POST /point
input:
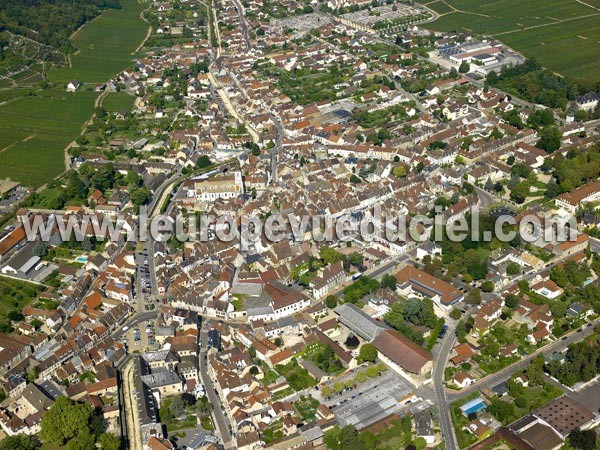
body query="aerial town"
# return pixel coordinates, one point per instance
(237, 108)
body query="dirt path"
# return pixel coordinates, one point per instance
(31, 136)
(148, 33)
(546, 24)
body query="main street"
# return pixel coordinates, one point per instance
(219, 417)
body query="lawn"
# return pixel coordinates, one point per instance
(118, 101)
(14, 295)
(562, 34)
(37, 129)
(105, 46)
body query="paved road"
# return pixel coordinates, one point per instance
(485, 198)
(219, 417)
(439, 366)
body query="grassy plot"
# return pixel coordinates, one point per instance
(562, 34)
(118, 101)
(105, 45)
(39, 128)
(14, 295)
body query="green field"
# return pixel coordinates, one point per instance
(564, 35)
(105, 46)
(35, 130)
(118, 101)
(14, 295)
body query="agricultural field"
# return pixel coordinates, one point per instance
(36, 125)
(105, 46)
(548, 30)
(35, 131)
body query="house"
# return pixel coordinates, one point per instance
(463, 379)
(548, 289)
(73, 85)
(577, 310)
(587, 102)
(479, 429)
(424, 426)
(327, 280)
(538, 335)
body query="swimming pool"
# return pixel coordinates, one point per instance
(81, 259)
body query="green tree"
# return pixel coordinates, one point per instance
(66, 420)
(109, 441)
(331, 301)
(487, 286)
(367, 352)
(19, 442)
(550, 139)
(583, 439)
(464, 67)
(388, 281)
(513, 268)
(177, 408)
(474, 297)
(203, 162)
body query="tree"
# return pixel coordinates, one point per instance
(400, 171)
(19, 442)
(140, 196)
(331, 301)
(487, 286)
(109, 441)
(84, 441)
(253, 370)
(513, 268)
(550, 139)
(520, 192)
(352, 341)
(188, 399)
(455, 314)
(511, 301)
(389, 282)
(177, 408)
(367, 352)
(203, 162)
(583, 439)
(66, 420)
(40, 249)
(354, 179)
(278, 341)
(464, 67)
(474, 297)
(329, 255)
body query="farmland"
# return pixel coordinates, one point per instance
(105, 45)
(36, 125)
(36, 129)
(548, 30)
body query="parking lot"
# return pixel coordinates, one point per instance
(373, 400)
(140, 337)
